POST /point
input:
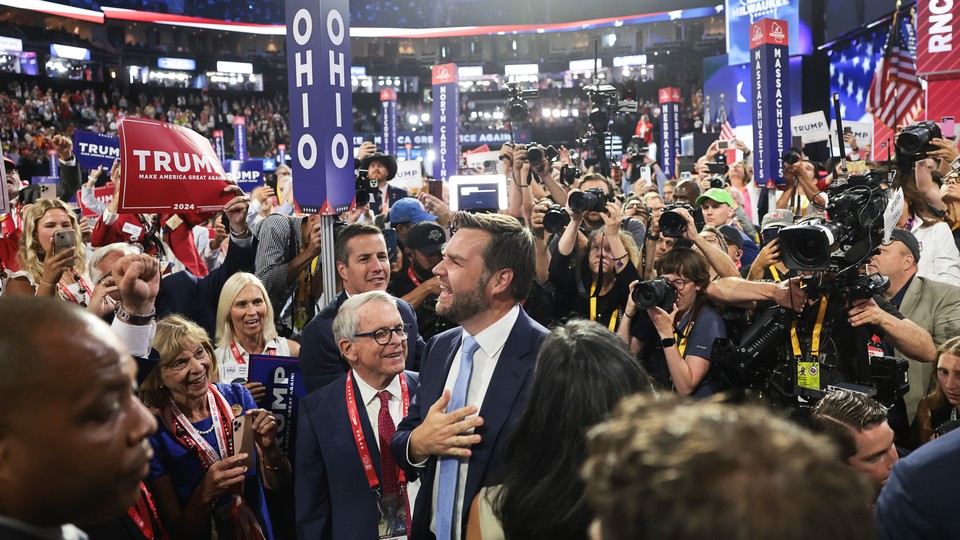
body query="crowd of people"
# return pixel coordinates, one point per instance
(560, 367)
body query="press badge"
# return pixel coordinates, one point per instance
(234, 373)
(392, 522)
(808, 375)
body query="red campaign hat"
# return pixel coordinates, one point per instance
(8, 161)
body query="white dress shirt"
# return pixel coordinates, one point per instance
(491, 341)
(368, 396)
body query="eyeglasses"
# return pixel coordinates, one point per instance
(951, 178)
(680, 283)
(383, 335)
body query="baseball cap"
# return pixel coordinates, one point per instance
(8, 163)
(777, 218)
(717, 194)
(427, 237)
(732, 234)
(409, 209)
(908, 240)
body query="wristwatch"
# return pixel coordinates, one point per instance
(135, 320)
(668, 342)
(955, 164)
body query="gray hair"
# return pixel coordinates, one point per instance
(347, 322)
(101, 253)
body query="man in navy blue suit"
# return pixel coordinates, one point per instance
(917, 502)
(484, 366)
(363, 264)
(348, 484)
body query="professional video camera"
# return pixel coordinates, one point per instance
(555, 219)
(517, 107)
(672, 224)
(764, 360)
(366, 188)
(657, 292)
(913, 143)
(591, 200)
(854, 230)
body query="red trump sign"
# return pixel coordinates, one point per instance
(168, 169)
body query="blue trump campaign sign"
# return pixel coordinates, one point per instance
(321, 104)
(95, 149)
(247, 174)
(285, 387)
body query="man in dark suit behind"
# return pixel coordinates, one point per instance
(362, 263)
(335, 499)
(484, 366)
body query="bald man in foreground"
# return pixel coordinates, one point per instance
(73, 436)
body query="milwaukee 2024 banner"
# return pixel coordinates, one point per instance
(168, 169)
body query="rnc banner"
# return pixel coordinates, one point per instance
(388, 100)
(770, 71)
(94, 149)
(321, 104)
(446, 126)
(285, 387)
(670, 102)
(240, 138)
(168, 168)
(218, 145)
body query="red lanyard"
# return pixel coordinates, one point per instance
(144, 515)
(239, 357)
(413, 277)
(221, 414)
(358, 431)
(65, 292)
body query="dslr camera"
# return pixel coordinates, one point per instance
(536, 153)
(591, 200)
(636, 150)
(791, 156)
(555, 219)
(672, 224)
(657, 292)
(718, 182)
(913, 143)
(569, 174)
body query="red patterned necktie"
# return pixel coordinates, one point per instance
(389, 483)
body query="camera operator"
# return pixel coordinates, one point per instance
(716, 254)
(802, 172)
(769, 263)
(382, 168)
(521, 172)
(595, 284)
(932, 305)
(676, 345)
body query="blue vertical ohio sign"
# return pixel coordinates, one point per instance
(446, 127)
(669, 129)
(388, 100)
(321, 105)
(770, 72)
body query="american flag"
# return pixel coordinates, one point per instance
(896, 97)
(852, 65)
(726, 132)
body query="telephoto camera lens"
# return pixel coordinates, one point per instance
(791, 156)
(555, 219)
(718, 182)
(672, 224)
(535, 153)
(657, 292)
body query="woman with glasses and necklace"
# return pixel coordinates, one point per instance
(245, 326)
(675, 346)
(204, 485)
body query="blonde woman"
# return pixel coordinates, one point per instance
(205, 487)
(244, 327)
(45, 273)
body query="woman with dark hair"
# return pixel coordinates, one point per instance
(582, 372)
(676, 345)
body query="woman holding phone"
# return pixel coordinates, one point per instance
(206, 481)
(52, 258)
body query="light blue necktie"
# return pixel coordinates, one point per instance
(449, 471)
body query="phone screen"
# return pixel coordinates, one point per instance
(947, 127)
(390, 238)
